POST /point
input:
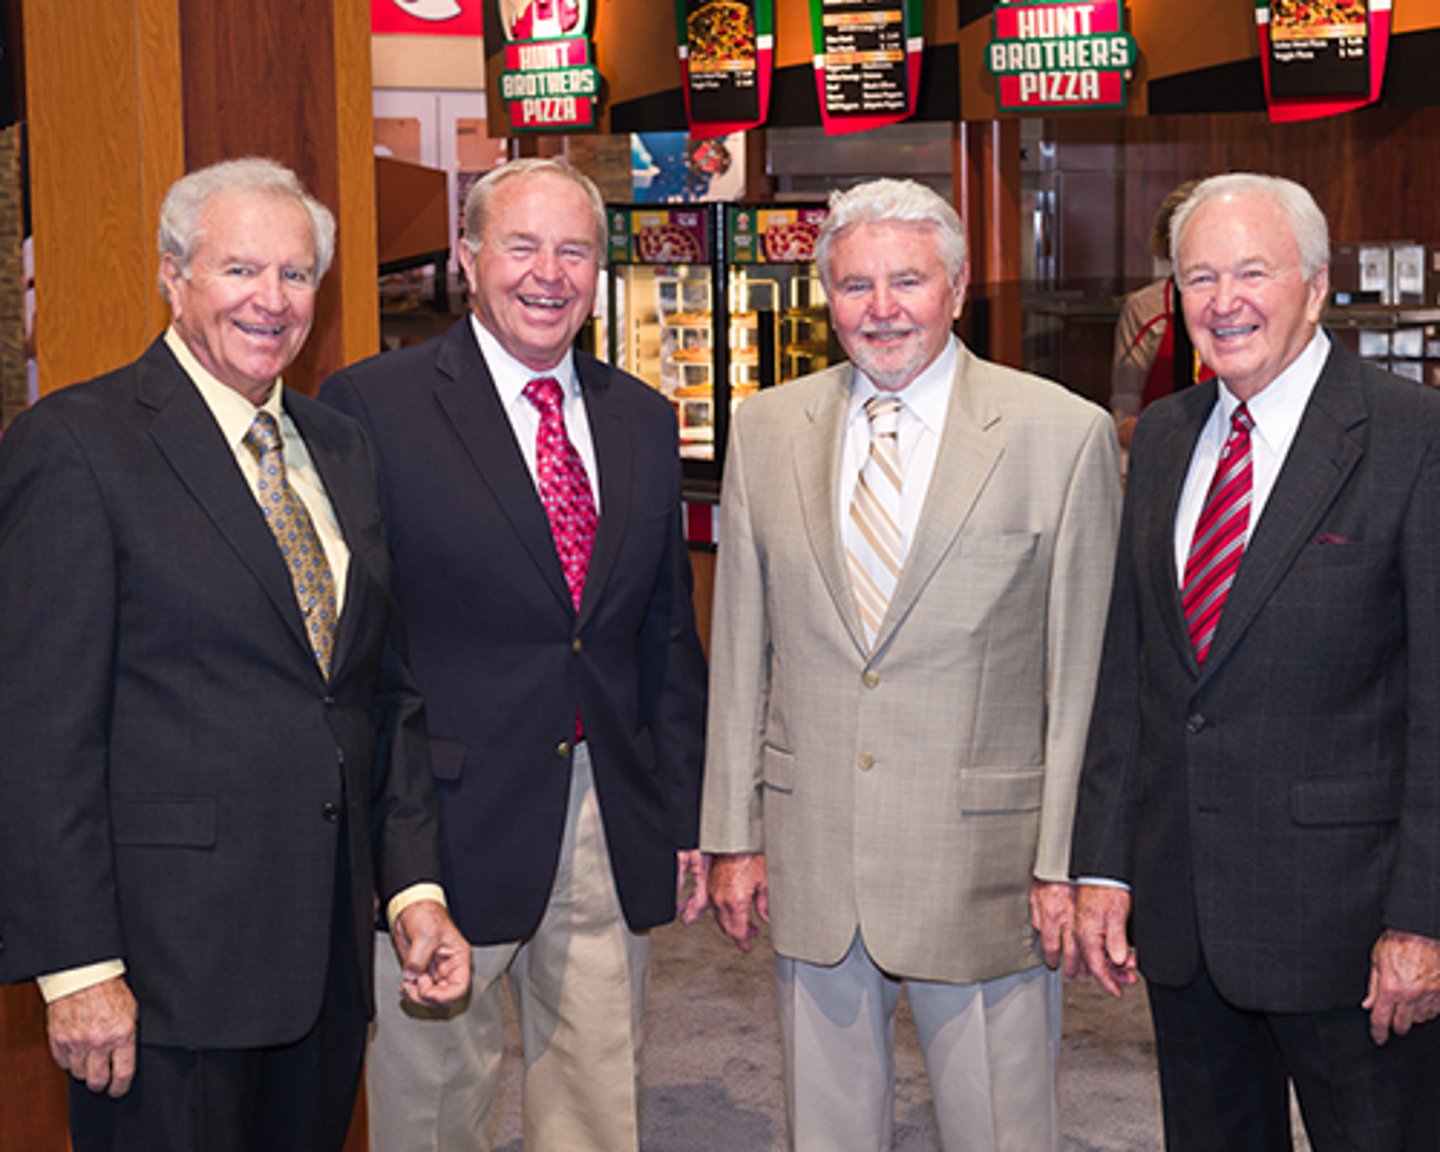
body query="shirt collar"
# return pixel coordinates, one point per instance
(511, 376)
(232, 411)
(1277, 408)
(926, 397)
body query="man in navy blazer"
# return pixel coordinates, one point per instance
(567, 741)
(1265, 800)
(198, 799)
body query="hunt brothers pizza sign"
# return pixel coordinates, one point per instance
(1048, 56)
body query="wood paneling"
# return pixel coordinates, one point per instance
(32, 1087)
(290, 79)
(104, 144)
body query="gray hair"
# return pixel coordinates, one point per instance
(180, 230)
(892, 201)
(477, 203)
(1307, 222)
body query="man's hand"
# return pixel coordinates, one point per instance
(92, 1035)
(1052, 915)
(1100, 915)
(737, 883)
(434, 957)
(693, 866)
(1404, 983)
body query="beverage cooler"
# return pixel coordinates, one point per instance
(708, 303)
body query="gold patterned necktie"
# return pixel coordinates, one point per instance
(876, 550)
(295, 534)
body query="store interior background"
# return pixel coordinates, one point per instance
(1058, 208)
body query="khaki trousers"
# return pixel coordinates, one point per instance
(991, 1054)
(578, 988)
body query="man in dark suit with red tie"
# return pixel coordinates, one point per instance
(211, 757)
(1261, 789)
(533, 496)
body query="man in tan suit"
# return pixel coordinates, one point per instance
(907, 626)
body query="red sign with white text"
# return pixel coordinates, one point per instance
(427, 17)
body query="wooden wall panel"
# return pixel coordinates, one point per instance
(104, 144)
(291, 80)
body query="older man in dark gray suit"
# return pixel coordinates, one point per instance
(1263, 772)
(211, 757)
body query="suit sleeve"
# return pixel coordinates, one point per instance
(1103, 831)
(58, 609)
(739, 672)
(1413, 897)
(676, 681)
(1079, 587)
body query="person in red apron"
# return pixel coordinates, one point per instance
(1153, 353)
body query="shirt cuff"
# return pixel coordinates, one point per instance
(54, 985)
(413, 895)
(1103, 882)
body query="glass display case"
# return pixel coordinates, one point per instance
(708, 303)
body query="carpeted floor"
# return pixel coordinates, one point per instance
(712, 1062)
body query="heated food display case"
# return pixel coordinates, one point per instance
(708, 303)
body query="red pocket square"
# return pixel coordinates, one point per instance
(1332, 538)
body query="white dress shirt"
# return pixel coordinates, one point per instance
(511, 376)
(922, 421)
(1276, 413)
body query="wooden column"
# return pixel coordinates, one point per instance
(987, 195)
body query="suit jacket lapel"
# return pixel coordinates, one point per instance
(610, 434)
(186, 434)
(817, 476)
(1317, 466)
(467, 394)
(971, 444)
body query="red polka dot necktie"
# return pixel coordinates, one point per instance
(295, 534)
(1219, 541)
(564, 486)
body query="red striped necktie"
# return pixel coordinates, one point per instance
(1219, 541)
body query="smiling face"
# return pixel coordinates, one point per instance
(1248, 306)
(891, 300)
(245, 305)
(532, 279)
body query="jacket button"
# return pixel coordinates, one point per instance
(563, 750)
(866, 761)
(577, 645)
(328, 701)
(871, 679)
(330, 811)
(1196, 724)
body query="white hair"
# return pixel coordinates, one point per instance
(1307, 222)
(893, 201)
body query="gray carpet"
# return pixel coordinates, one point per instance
(712, 1062)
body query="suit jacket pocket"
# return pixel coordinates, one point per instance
(778, 769)
(984, 791)
(163, 821)
(1011, 546)
(1369, 799)
(447, 758)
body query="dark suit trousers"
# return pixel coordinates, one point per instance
(291, 1098)
(1224, 1074)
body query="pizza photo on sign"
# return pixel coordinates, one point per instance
(721, 35)
(668, 244)
(790, 242)
(1307, 19)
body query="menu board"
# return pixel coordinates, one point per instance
(867, 61)
(1321, 57)
(1319, 48)
(726, 49)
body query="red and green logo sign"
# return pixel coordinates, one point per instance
(1049, 56)
(549, 82)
